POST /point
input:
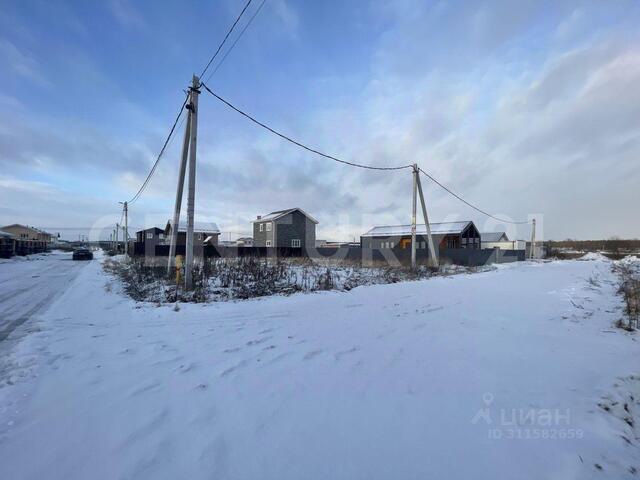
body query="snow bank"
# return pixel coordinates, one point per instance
(630, 260)
(597, 256)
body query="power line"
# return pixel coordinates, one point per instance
(173, 128)
(301, 145)
(224, 57)
(467, 203)
(246, 115)
(225, 38)
(164, 147)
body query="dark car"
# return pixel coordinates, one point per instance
(82, 254)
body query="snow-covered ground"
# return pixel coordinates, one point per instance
(502, 374)
(28, 287)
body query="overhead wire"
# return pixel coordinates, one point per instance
(244, 29)
(224, 40)
(353, 164)
(430, 177)
(173, 128)
(277, 133)
(164, 147)
(295, 142)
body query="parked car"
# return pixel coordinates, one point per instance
(82, 254)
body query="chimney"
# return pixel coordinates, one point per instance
(259, 217)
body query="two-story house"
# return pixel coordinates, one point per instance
(285, 228)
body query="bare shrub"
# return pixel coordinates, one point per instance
(219, 279)
(629, 289)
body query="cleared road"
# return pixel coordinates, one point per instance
(29, 285)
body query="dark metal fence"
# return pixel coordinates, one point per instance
(365, 256)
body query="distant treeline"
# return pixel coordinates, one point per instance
(610, 245)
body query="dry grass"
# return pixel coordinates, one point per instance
(630, 291)
(219, 279)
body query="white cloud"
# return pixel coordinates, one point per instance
(126, 14)
(22, 64)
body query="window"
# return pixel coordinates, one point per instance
(295, 243)
(268, 243)
(269, 227)
(262, 227)
(199, 236)
(161, 236)
(149, 235)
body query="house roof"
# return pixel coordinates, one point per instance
(6, 234)
(494, 236)
(444, 228)
(155, 230)
(281, 213)
(198, 227)
(33, 229)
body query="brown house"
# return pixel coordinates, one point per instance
(449, 235)
(24, 240)
(23, 232)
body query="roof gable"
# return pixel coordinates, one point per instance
(494, 237)
(154, 229)
(198, 227)
(273, 216)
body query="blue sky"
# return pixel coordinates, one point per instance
(525, 108)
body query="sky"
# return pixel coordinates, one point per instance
(526, 109)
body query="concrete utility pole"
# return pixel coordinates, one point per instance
(191, 198)
(433, 256)
(117, 235)
(125, 240)
(126, 230)
(178, 205)
(413, 216)
(533, 238)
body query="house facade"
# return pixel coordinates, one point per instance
(148, 239)
(7, 244)
(25, 239)
(501, 241)
(23, 232)
(202, 233)
(244, 242)
(293, 228)
(449, 235)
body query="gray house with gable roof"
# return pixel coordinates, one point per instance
(292, 228)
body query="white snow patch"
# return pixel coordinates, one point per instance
(597, 256)
(630, 260)
(452, 377)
